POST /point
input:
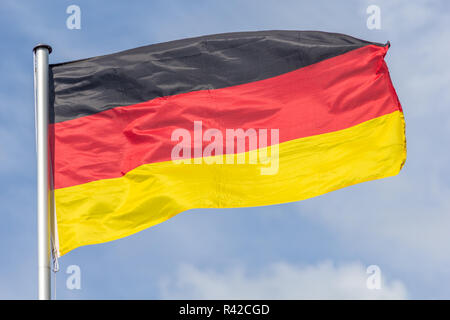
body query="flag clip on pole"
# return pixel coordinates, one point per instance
(41, 90)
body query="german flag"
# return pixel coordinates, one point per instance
(220, 121)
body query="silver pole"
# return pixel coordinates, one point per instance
(41, 91)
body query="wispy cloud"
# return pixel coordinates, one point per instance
(279, 281)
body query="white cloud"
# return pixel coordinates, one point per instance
(280, 281)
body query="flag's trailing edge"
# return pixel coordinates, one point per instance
(329, 96)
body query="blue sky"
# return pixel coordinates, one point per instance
(317, 248)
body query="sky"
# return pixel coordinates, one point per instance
(318, 248)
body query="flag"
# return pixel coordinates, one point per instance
(229, 120)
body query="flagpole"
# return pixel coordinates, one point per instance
(41, 90)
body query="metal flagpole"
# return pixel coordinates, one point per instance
(41, 90)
